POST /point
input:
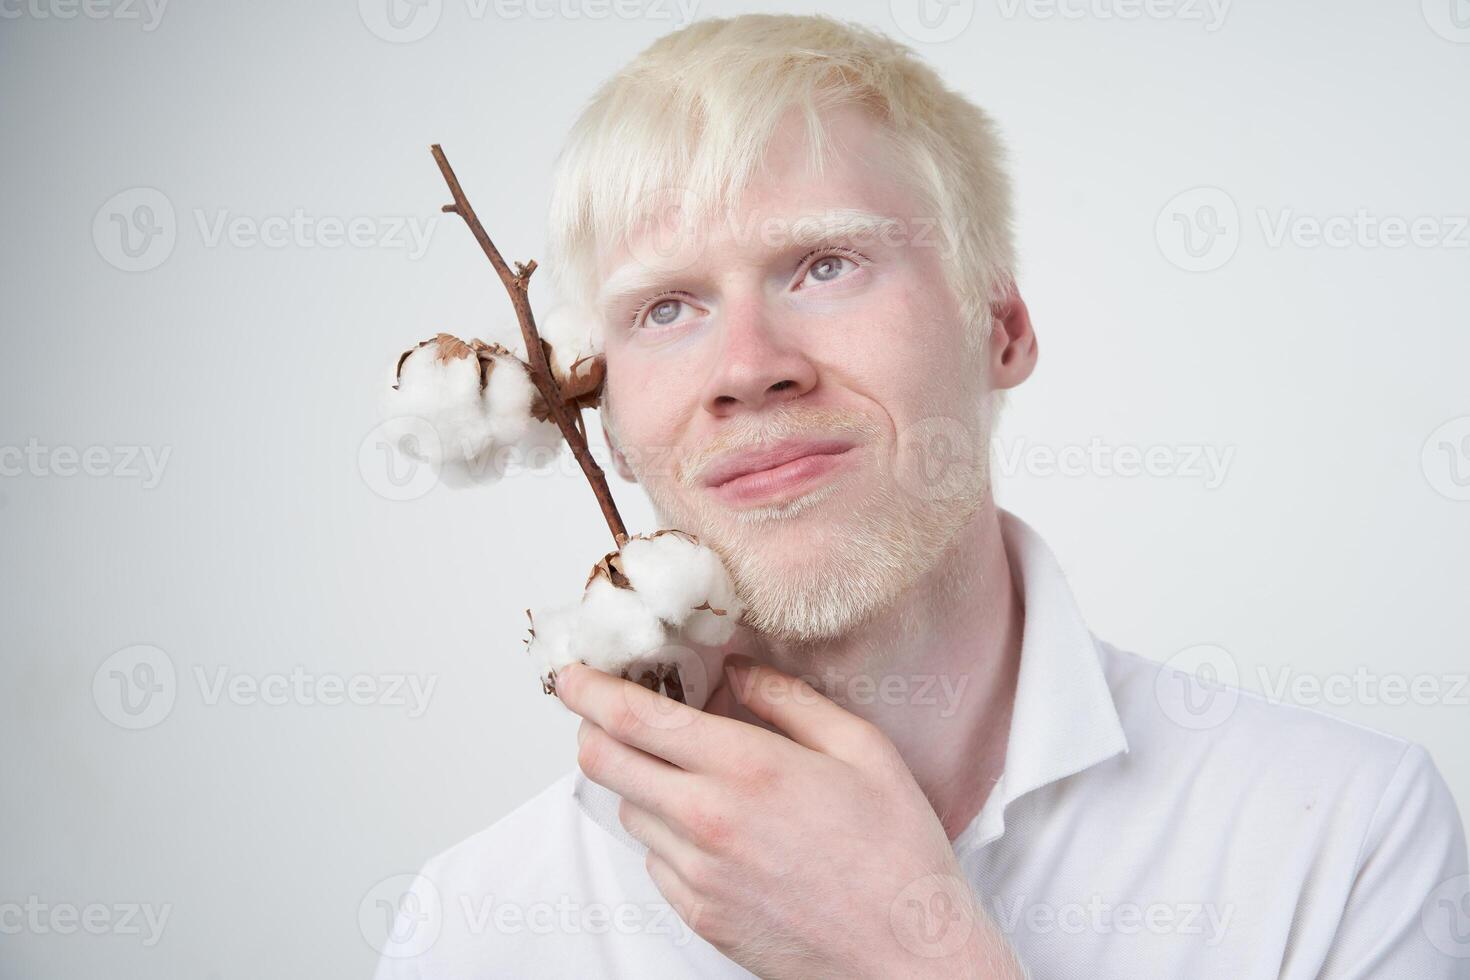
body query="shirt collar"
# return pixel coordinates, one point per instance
(1063, 719)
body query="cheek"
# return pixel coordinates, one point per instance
(906, 354)
(646, 405)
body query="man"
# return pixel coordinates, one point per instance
(796, 243)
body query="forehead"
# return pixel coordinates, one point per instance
(788, 202)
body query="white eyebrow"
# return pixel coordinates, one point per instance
(803, 231)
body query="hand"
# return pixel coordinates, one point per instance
(806, 854)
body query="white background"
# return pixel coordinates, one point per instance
(1334, 543)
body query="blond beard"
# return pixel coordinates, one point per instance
(843, 577)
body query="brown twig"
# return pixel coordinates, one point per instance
(665, 677)
(517, 283)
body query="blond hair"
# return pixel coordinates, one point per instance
(697, 108)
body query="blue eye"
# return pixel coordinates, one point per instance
(663, 311)
(829, 266)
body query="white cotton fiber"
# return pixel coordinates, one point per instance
(573, 334)
(446, 394)
(668, 573)
(615, 627)
(507, 400)
(555, 629)
(471, 425)
(707, 629)
(675, 575)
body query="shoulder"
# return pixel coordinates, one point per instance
(1284, 777)
(518, 844)
(1195, 705)
(452, 912)
(547, 890)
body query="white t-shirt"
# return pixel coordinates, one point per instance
(1147, 825)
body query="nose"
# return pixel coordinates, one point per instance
(757, 365)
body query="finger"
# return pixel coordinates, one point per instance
(634, 775)
(683, 736)
(674, 889)
(800, 710)
(647, 826)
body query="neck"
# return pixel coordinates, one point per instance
(935, 670)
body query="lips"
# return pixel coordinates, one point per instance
(787, 467)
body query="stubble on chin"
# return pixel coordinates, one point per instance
(818, 568)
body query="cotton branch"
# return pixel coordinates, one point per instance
(569, 421)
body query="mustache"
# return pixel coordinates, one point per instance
(758, 431)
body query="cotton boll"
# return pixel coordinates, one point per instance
(675, 575)
(708, 629)
(722, 590)
(540, 444)
(573, 334)
(479, 401)
(507, 398)
(554, 631)
(444, 393)
(615, 627)
(669, 572)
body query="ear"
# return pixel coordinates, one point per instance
(1012, 345)
(620, 462)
